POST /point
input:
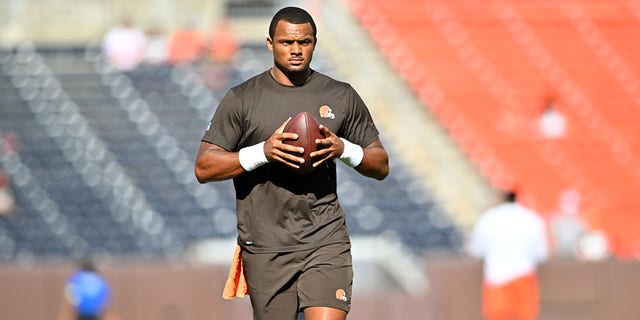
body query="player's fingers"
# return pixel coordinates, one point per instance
(274, 148)
(281, 128)
(326, 143)
(317, 163)
(287, 148)
(332, 144)
(280, 135)
(286, 136)
(321, 156)
(325, 153)
(287, 163)
(325, 131)
(288, 159)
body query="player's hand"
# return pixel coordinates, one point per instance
(330, 147)
(276, 150)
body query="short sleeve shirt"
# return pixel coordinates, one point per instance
(88, 292)
(277, 209)
(512, 239)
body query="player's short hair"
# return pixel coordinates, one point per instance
(293, 15)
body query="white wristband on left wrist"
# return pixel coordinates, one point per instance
(352, 154)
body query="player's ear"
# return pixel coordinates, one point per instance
(269, 44)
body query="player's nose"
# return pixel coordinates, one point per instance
(296, 48)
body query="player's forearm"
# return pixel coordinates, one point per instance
(217, 169)
(375, 163)
(216, 164)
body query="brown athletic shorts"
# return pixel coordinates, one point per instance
(282, 284)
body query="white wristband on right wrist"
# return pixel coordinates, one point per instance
(252, 157)
(352, 154)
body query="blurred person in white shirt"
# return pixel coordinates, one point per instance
(156, 49)
(552, 123)
(512, 241)
(125, 46)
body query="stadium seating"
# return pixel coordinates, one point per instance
(105, 162)
(486, 70)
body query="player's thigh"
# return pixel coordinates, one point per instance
(281, 306)
(328, 278)
(272, 279)
(324, 313)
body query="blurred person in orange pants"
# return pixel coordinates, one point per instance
(512, 241)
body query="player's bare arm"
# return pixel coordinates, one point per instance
(375, 163)
(214, 163)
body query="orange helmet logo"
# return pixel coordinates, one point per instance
(326, 112)
(341, 295)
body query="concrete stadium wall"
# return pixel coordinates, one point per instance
(159, 290)
(64, 22)
(570, 290)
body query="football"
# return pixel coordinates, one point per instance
(308, 130)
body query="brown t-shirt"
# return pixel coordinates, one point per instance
(278, 210)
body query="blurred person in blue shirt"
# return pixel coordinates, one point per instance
(87, 295)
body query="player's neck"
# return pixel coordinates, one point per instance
(290, 78)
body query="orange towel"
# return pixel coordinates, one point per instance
(236, 285)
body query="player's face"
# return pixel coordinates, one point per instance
(292, 46)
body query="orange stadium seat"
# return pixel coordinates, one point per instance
(502, 59)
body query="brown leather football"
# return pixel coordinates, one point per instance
(308, 130)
